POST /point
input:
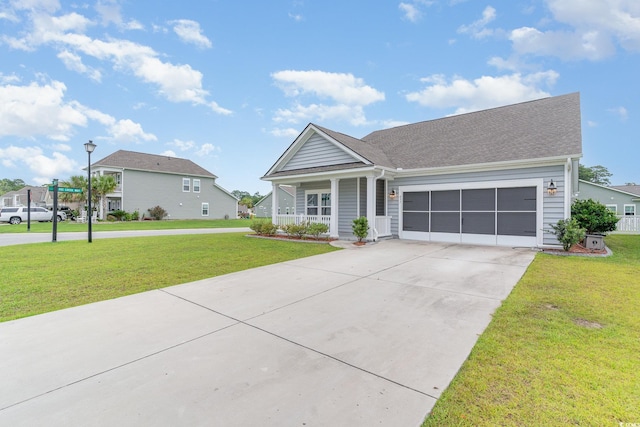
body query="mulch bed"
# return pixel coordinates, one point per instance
(579, 250)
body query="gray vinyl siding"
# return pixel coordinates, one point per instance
(144, 190)
(317, 151)
(300, 193)
(347, 206)
(608, 196)
(285, 200)
(553, 206)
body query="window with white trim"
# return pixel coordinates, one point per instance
(205, 209)
(629, 210)
(318, 202)
(186, 185)
(613, 208)
(196, 185)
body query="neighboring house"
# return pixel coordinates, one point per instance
(623, 200)
(498, 177)
(286, 203)
(19, 197)
(181, 187)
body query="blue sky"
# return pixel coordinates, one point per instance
(230, 84)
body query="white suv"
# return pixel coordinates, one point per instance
(15, 215)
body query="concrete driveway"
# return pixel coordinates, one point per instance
(359, 337)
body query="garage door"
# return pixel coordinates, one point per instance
(491, 216)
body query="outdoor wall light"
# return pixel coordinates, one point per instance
(551, 189)
(392, 195)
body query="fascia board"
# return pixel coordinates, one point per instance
(302, 139)
(609, 188)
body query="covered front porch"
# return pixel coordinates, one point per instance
(337, 201)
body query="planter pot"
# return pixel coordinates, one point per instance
(594, 241)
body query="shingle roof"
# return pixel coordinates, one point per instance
(544, 128)
(370, 152)
(152, 162)
(633, 189)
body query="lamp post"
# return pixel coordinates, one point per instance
(89, 147)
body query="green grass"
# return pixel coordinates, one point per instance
(564, 348)
(72, 226)
(38, 278)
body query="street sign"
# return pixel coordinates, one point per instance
(66, 189)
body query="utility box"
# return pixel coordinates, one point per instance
(594, 241)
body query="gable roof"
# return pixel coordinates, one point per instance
(615, 188)
(548, 128)
(152, 162)
(544, 128)
(633, 189)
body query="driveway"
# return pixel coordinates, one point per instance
(359, 337)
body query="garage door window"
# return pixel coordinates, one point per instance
(445, 211)
(517, 211)
(478, 211)
(415, 207)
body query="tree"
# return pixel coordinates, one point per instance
(596, 174)
(239, 194)
(75, 181)
(247, 201)
(7, 185)
(593, 216)
(102, 185)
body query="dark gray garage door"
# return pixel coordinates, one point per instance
(470, 215)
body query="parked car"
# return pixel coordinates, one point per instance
(17, 214)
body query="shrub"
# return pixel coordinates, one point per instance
(135, 215)
(119, 215)
(295, 230)
(157, 213)
(316, 229)
(360, 227)
(593, 216)
(568, 232)
(266, 228)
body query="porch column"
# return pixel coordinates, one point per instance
(333, 224)
(371, 206)
(274, 202)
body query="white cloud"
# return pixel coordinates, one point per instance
(182, 145)
(285, 132)
(109, 11)
(44, 167)
(74, 63)
(168, 153)
(410, 11)
(346, 93)
(38, 110)
(478, 29)
(566, 45)
(296, 17)
(190, 32)
(592, 29)
(206, 149)
(621, 112)
(481, 93)
(62, 147)
(41, 110)
(177, 83)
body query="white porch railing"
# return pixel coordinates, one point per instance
(628, 224)
(301, 219)
(383, 226)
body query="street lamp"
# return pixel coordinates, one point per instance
(89, 147)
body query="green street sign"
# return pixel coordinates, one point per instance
(66, 189)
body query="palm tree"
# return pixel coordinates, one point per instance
(75, 181)
(102, 185)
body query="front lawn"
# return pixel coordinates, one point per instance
(43, 277)
(563, 349)
(72, 226)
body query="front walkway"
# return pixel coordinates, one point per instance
(359, 337)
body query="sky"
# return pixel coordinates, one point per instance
(231, 84)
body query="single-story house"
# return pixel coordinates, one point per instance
(286, 203)
(623, 200)
(19, 197)
(500, 176)
(181, 187)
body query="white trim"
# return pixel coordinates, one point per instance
(189, 189)
(319, 192)
(614, 206)
(624, 212)
(202, 209)
(194, 185)
(457, 237)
